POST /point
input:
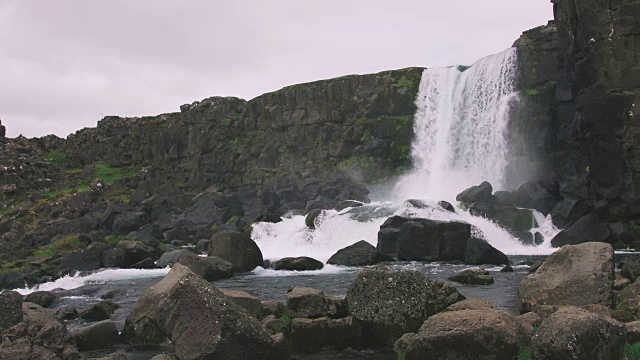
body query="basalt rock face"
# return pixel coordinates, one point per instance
(355, 124)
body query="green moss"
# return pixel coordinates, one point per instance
(234, 144)
(113, 239)
(56, 157)
(234, 219)
(110, 174)
(532, 92)
(401, 356)
(524, 354)
(623, 312)
(631, 351)
(286, 319)
(66, 191)
(404, 82)
(357, 163)
(66, 245)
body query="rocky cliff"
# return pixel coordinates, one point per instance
(360, 126)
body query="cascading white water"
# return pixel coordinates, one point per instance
(460, 127)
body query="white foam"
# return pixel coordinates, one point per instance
(70, 282)
(326, 270)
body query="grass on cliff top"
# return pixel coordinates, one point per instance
(66, 245)
(105, 172)
(631, 352)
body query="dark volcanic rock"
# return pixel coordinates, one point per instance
(169, 258)
(536, 195)
(42, 298)
(211, 268)
(312, 335)
(302, 263)
(99, 335)
(568, 211)
(100, 311)
(312, 303)
(473, 277)
(477, 194)
(10, 309)
(389, 304)
(237, 248)
(423, 239)
(588, 228)
(479, 252)
(359, 254)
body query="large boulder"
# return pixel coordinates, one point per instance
(628, 303)
(245, 300)
(477, 194)
(40, 335)
(359, 254)
(511, 218)
(170, 258)
(302, 263)
(311, 335)
(536, 195)
(465, 334)
(99, 335)
(568, 211)
(473, 277)
(312, 303)
(423, 239)
(10, 309)
(237, 248)
(573, 333)
(588, 228)
(211, 268)
(574, 275)
(42, 298)
(136, 251)
(479, 252)
(99, 311)
(389, 303)
(630, 268)
(170, 309)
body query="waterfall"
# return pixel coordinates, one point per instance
(461, 128)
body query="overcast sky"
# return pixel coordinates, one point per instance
(65, 64)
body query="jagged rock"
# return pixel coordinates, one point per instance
(310, 219)
(136, 252)
(211, 268)
(98, 335)
(100, 311)
(147, 263)
(473, 277)
(633, 332)
(535, 195)
(10, 309)
(170, 308)
(359, 254)
(39, 336)
(311, 335)
(588, 228)
(530, 322)
(302, 263)
(510, 217)
(202, 246)
(270, 307)
(423, 239)
(479, 251)
(568, 211)
(280, 348)
(477, 194)
(628, 303)
(574, 275)
(573, 333)
(169, 258)
(447, 206)
(236, 248)
(42, 298)
(341, 205)
(85, 260)
(245, 300)
(67, 312)
(389, 304)
(630, 268)
(312, 303)
(507, 269)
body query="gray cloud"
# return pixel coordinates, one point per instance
(65, 64)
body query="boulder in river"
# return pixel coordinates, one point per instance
(98, 335)
(301, 263)
(197, 318)
(389, 303)
(588, 228)
(573, 333)
(464, 334)
(359, 254)
(479, 252)
(42, 298)
(423, 239)
(473, 277)
(574, 275)
(237, 248)
(169, 258)
(477, 194)
(100, 311)
(311, 335)
(211, 268)
(312, 303)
